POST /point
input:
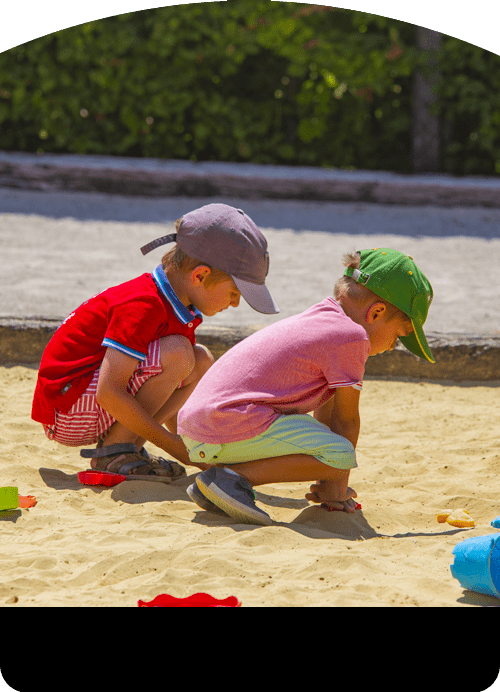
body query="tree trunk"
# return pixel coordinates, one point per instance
(426, 128)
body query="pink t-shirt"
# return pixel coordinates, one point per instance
(291, 366)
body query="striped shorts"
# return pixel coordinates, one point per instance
(86, 422)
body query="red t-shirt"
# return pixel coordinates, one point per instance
(127, 318)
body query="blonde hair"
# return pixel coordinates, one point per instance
(180, 260)
(359, 294)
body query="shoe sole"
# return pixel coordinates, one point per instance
(231, 506)
(202, 501)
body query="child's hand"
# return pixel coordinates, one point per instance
(349, 506)
(333, 496)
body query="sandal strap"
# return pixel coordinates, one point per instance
(125, 469)
(125, 448)
(114, 459)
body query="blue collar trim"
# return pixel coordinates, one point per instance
(182, 313)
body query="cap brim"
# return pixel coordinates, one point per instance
(257, 296)
(417, 343)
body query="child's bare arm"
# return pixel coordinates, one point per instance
(341, 413)
(112, 395)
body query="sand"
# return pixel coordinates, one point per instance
(422, 448)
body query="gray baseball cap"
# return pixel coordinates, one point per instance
(227, 239)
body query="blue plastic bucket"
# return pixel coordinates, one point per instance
(477, 564)
(496, 523)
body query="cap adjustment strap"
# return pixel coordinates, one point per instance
(158, 242)
(358, 276)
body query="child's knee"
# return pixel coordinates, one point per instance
(177, 356)
(341, 456)
(203, 359)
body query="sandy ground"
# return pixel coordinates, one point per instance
(423, 447)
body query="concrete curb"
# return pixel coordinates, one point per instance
(459, 357)
(163, 178)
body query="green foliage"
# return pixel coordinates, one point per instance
(260, 81)
(469, 108)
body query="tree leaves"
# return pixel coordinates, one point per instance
(270, 82)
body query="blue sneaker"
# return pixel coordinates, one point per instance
(199, 498)
(233, 494)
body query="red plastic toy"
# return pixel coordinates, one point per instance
(26, 501)
(197, 600)
(109, 479)
(100, 478)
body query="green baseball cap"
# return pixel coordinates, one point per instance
(395, 277)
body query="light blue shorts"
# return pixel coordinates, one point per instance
(293, 434)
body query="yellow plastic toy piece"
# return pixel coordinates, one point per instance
(459, 518)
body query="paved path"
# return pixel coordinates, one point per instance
(60, 248)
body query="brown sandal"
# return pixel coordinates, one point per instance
(128, 460)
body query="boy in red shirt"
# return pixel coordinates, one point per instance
(120, 367)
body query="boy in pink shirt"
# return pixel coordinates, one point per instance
(248, 416)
